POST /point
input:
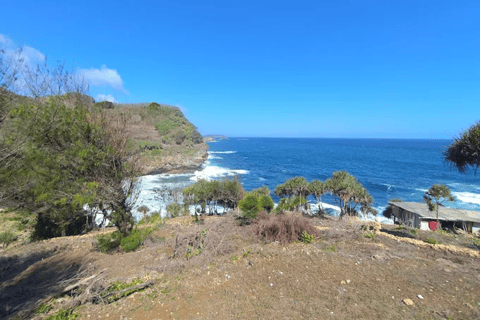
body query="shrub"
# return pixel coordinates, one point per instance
(64, 315)
(135, 239)
(180, 137)
(173, 209)
(249, 207)
(283, 228)
(432, 240)
(266, 203)
(308, 238)
(332, 248)
(370, 235)
(108, 242)
(7, 237)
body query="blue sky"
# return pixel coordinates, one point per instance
(366, 69)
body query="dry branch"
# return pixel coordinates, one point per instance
(138, 286)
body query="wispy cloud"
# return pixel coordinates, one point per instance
(103, 76)
(26, 54)
(106, 97)
(3, 39)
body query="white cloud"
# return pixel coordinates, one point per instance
(103, 76)
(31, 56)
(26, 54)
(3, 39)
(106, 97)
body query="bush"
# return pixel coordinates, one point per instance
(432, 240)
(7, 237)
(180, 137)
(135, 239)
(283, 228)
(308, 238)
(266, 203)
(108, 242)
(370, 235)
(64, 315)
(173, 209)
(249, 207)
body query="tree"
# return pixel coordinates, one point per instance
(266, 203)
(349, 192)
(144, 210)
(249, 206)
(464, 151)
(59, 158)
(64, 160)
(293, 187)
(317, 189)
(388, 212)
(435, 196)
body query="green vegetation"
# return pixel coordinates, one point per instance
(435, 195)
(370, 235)
(349, 193)
(266, 203)
(294, 189)
(432, 240)
(7, 237)
(308, 238)
(249, 206)
(317, 189)
(388, 212)
(131, 242)
(64, 315)
(174, 210)
(464, 150)
(43, 308)
(201, 194)
(331, 248)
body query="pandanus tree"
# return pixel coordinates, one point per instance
(435, 196)
(349, 193)
(464, 151)
(317, 189)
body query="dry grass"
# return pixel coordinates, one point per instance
(343, 275)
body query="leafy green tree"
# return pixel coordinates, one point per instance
(464, 151)
(348, 191)
(317, 189)
(249, 206)
(266, 203)
(436, 195)
(60, 159)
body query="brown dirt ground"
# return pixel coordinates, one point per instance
(343, 275)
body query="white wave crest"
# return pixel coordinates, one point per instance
(211, 156)
(467, 197)
(221, 152)
(212, 172)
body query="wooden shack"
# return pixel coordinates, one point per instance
(417, 215)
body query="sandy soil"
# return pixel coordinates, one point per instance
(343, 275)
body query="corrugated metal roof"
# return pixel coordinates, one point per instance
(446, 214)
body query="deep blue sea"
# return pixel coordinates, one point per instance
(388, 168)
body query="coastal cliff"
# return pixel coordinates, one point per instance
(165, 140)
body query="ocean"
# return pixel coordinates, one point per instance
(387, 168)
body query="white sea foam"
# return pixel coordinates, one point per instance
(212, 172)
(222, 152)
(467, 197)
(211, 156)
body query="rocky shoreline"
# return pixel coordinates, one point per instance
(179, 163)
